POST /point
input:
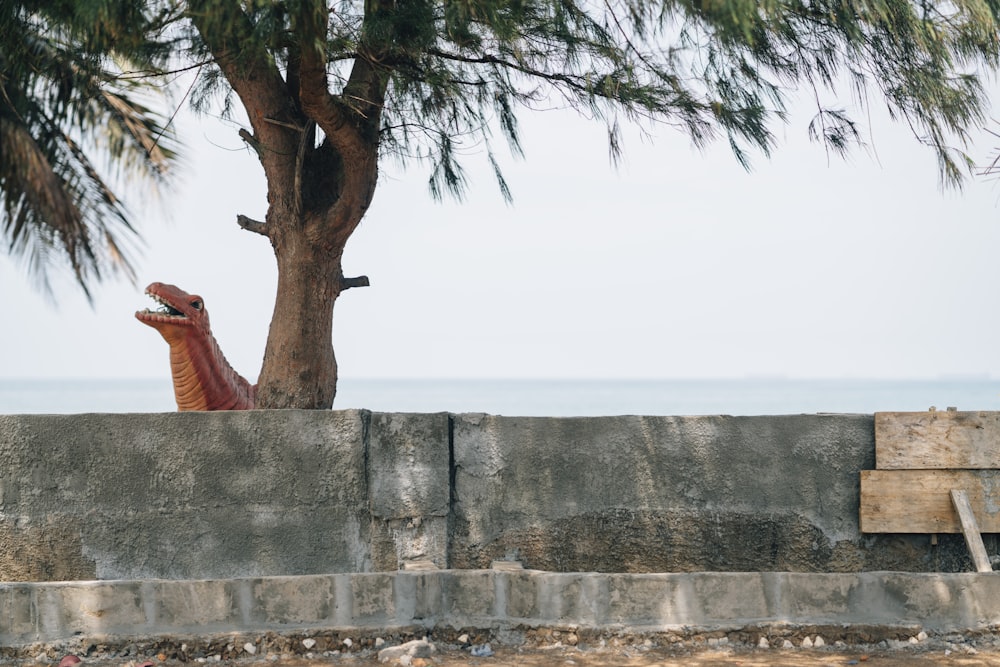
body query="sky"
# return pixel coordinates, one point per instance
(676, 264)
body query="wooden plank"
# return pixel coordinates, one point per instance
(919, 501)
(936, 440)
(973, 538)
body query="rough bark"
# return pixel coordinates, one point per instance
(300, 369)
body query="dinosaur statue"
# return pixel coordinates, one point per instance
(203, 379)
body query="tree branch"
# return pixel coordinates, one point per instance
(348, 283)
(251, 225)
(344, 118)
(250, 140)
(290, 126)
(254, 76)
(572, 82)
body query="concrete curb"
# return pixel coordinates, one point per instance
(496, 598)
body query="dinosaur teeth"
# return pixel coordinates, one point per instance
(164, 309)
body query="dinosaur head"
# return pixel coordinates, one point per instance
(180, 315)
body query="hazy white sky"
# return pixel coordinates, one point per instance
(677, 265)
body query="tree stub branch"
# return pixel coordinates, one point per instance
(250, 139)
(359, 281)
(251, 225)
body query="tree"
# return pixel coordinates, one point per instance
(331, 87)
(69, 119)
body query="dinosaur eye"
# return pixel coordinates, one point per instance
(197, 305)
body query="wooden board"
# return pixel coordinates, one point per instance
(937, 440)
(919, 501)
(973, 538)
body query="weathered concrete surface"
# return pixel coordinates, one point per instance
(49, 612)
(408, 473)
(268, 493)
(182, 495)
(669, 494)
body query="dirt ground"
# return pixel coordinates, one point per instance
(570, 657)
(933, 655)
(883, 647)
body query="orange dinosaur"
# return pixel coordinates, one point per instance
(203, 379)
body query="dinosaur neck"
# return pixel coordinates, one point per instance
(204, 380)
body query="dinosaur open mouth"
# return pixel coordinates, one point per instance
(164, 309)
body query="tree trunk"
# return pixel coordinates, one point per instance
(317, 195)
(299, 368)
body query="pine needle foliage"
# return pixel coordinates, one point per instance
(452, 72)
(75, 84)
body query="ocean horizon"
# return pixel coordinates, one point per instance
(540, 397)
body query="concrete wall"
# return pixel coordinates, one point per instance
(264, 493)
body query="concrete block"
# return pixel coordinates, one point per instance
(183, 495)
(373, 599)
(470, 596)
(629, 493)
(89, 608)
(935, 599)
(419, 597)
(409, 488)
(17, 607)
(292, 601)
(826, 597)
(408, 465)
(724, 597)
(649, 600)
(193, 605)
(524, 599)
(557, 598)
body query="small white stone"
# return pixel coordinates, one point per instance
(250, 648)
(308, 643)
(807, 643)
(348, 642)
(310, 655)
(763, 643)
(202, 660)
(379, 642)
(463, 639)
(914, 640)
(215, 658)
(819, 641)
(787, 644)
(921, 636)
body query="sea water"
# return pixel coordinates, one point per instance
(591, 397)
